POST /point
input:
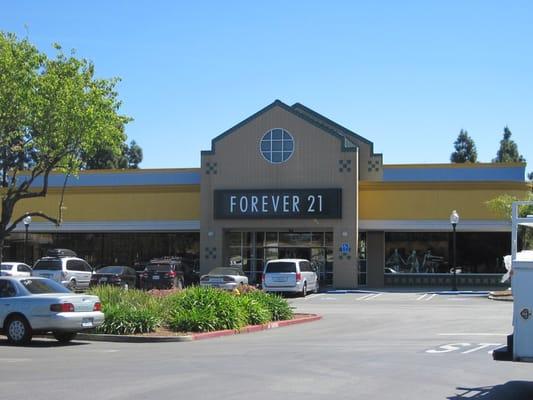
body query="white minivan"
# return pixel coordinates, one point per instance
(290, 275)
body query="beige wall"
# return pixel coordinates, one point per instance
(314, 165)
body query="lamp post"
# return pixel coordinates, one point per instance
(27, 222)
(454, 220)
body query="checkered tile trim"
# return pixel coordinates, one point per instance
(211, 168)
(345, 165)
(210, 252)
(374, 165)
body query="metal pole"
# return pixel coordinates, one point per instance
(26, 243)
(454, 260)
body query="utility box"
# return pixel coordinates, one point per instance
(522, 288)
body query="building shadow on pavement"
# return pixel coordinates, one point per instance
(515, 390)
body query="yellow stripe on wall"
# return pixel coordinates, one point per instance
(432, 201)
(121, 204)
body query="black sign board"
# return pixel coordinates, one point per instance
(278, 203)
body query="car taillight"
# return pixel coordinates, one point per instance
(263, 278)
(114, 278)
(228, 279)
(172, 274)
(298, 276)
(204, 278)
(97, 306)
(144, 275)
(63, 307)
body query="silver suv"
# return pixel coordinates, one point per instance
(290, 275)
(63, 266)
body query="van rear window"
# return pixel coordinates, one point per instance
(281, 267)
(49, 265)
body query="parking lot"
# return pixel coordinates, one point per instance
(379, 345)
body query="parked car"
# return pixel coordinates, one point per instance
(63, 266)
(290, 275)
(164, 273)
(115, 275)
(15, 269)
(35, 305)
(228, 278)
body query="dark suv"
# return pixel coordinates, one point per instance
(168, 273)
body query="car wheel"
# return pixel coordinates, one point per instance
(72, 285)
(18, 330)
(304, 290)
(179, 284)
(64, 337)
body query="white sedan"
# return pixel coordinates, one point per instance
(39, 305)
(15, 269)
(228, 278)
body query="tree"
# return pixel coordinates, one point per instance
(530, 176)
(129, 157)
(465, 149)
(52, 111)
(508, 151)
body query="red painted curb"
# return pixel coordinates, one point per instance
(256, 328)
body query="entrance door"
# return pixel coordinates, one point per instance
(294, 252)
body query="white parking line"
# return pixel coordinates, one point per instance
(370, 296)
(312, 296)
(473, 334)
(422, 297)
(430, 297)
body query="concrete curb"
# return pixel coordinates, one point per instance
(195, 336)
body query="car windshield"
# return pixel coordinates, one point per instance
(158, 267)
(5, 267)
(50, 265)
(40, 286)
(282, 266)
(110, 270)
(225, 271)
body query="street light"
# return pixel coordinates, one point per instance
(27, 222)
(454, 220)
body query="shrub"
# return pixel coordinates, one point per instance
(255, 312)
(277, 306)
(127, 312)
(204, 309)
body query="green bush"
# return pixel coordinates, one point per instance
(127, 312)
(277, 306)
(255, 312)
(199, 309)
(196, 309)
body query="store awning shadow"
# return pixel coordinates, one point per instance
(516, 390)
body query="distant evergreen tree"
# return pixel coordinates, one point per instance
(465, 149)
(135, 155)
(530, 176)
(508, 152)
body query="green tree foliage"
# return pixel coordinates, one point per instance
(129, 157)
(53, 112)
(508, 151)
(465, 149)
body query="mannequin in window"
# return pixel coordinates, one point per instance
(395, 261)
(412, 262)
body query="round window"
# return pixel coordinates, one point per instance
(277, 146)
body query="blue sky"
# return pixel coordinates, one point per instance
(407, 75)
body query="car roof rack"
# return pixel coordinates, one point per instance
(61, 253)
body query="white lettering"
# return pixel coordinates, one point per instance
(264, 204)
(243, 204)
(446, 348)
(286, 204)
(319, 203)
(295, 203)
(311, 200)
(232, 203)
(275, 202)
(254, 204)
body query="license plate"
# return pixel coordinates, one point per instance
(155, 277)
(217, 280)
(87, 322)
(280, 279)
(103, 279)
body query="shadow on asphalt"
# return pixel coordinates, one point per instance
(42, 342)
(515, 390)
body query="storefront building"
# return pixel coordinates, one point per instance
(289, 183)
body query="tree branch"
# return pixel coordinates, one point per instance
(11, 227)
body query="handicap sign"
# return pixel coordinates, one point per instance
(345, 248)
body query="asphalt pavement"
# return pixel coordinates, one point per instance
(378, 345)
